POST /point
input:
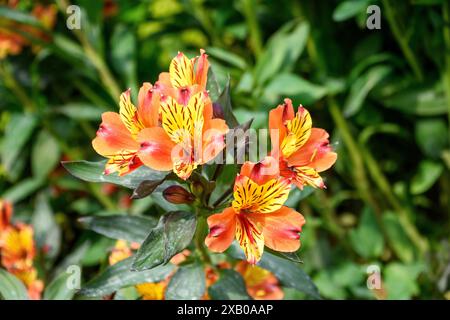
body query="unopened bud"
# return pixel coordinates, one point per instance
(197, 188)
(178, 195)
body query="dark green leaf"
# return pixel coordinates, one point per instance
(22, 189)
(349, 8)
(290, 274)
(93, 172)
(81, 111)
(119, 276)
(17, 133)
(130, 228)
(58, 289)
(45, 155)
(173, 233)
(189, 283)
(230, 286)
(11, 288)
(431, 136)
(224, 101)
(398, 239)
(46, 230)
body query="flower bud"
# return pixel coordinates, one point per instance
(178, 195)
(197, 189)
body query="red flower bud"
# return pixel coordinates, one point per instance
(178, 195)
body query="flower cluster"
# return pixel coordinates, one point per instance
(173, 129)
(17, 251)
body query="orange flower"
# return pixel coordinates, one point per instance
(261, 284)
(17, 247)
(117, 136)
(172, 128)
(5, 214)
(17, 253)
(257, 216)
(303, 151)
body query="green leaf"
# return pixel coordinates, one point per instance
(288, 84)
(58, 288)
(80, 111)
(224, 101)
(428, 172)
(398, 239)
(188, 283)
(282, 51)
(227, 56)
(289, 273)
(173, 233)
(350, 8)
(421, 101)
(45, 154)
(93, 172)
(17, 132)
(130, 228)
(47, 232)
(401, 280)
(296, 195)
(22, 189)
(119, 276)
(362, 86)
(11, 288)
(431, 136)
(367, 238)
(123, 54)
(230, 286)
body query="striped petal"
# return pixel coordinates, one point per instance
(123, 162)
(181, 71)
(251, 197)
(222, 230)
(112, 136)
(307, 176)
(250, 237)
(298, 132)
(281, 228)
(129, 114)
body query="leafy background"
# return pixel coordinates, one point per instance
(384, 96)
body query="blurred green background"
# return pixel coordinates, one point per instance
(383, 94)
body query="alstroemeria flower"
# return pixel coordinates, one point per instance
(117, 136)
(17, 247)
(30, 278)
(188, 136)
(257, 216)
(303, 151)
(185, 78)
(261, 284)
(5, 214)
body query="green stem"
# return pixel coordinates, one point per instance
(249, 11)
(399, 35)
(199, 238)
(446, 77)
(16, 88)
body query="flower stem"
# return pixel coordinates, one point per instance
(399, 35)
(103, 70)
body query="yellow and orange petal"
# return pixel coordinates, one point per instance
(17, 247)
(152, 291)
(252, 197)
(222, 230)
